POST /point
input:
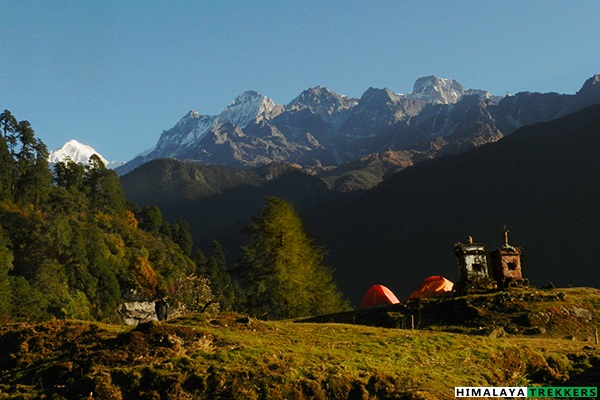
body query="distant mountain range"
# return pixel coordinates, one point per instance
(353, 143)
(541, 182)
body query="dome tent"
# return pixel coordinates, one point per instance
(434, 286)
(378, 295)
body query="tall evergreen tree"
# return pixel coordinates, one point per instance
(103, 187)
(220, 279)
(6, 259)
(150, 219)
(180, 234)
(6, 170)
(69, 175)
(8, 125)
(281, 272)
(31, 177)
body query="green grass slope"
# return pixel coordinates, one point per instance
(229, 356)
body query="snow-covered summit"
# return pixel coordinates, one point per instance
(434, 90)
(322, 101)
(247, 107)
(437, 90)
(78, 152)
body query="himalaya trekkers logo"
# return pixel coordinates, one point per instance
(532, 392)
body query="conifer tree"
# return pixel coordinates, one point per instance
(6, 170)
(69, 175)
(33, 178)
(6, 259)
(180, 234)
(103, 187)
(219, 276)
(150, 219)
(8, 125)
(281, 272)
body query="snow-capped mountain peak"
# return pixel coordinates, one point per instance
(434, 90)
(247, 107)
(191, 115)
(437, 90)
(321, 100)
(78, 152)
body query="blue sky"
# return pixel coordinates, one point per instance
(115, 74)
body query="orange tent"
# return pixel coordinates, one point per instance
(378, 295)
(434, 286)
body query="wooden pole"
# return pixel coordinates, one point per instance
(596, 334)
(412, 321)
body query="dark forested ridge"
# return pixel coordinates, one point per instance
(541, 182)
(214, 199)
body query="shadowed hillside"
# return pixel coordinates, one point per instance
(542, 182)
(215, 199)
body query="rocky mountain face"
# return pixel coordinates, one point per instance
(444, 91)
(321, 130)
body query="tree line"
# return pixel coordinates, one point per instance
(71, 246)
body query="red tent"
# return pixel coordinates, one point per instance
(378, 295)
(434, 286)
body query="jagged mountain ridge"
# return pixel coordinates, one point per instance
(323, 129)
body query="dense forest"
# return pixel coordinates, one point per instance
(71, 246)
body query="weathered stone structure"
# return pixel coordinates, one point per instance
(505, 264)
(472, 260)
(135, 312)
(475, 277)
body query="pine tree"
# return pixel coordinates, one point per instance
(33, 178)
(180, 234)
(220, 279)
(280, 272)
(103, 187)
(6, 170)
(69, 175)
(6, 259)
(8, 125)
